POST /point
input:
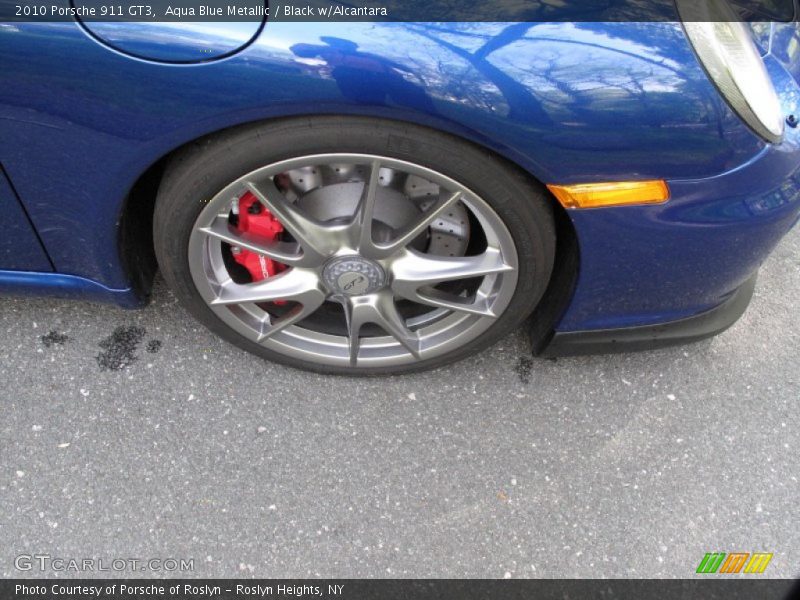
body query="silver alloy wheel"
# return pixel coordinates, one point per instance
(330, 206)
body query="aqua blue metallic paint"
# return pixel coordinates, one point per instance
(567, 102)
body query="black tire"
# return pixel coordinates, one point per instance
(202, 169)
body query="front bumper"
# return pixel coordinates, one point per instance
(649, 337)
(652, 275)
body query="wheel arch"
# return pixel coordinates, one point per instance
(137, 254)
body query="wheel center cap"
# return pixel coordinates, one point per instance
(353, 275)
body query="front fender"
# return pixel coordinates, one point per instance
(567, 102)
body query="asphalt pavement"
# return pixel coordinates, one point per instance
(138, 434)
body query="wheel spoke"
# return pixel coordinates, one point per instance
(394, 324)
(296, 285)
(362, 220)
(310, 302)
(355, 320)
(409, 234)
(282, 252)
(477, 305)
(415, 270)
(381, 310)
(313, 237)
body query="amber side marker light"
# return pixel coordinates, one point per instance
(621, 193)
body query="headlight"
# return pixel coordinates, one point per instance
(728, 52)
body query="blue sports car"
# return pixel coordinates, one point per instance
(363, 197)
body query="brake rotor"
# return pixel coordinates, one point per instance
(332, 192)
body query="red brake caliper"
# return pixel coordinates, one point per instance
(256, 221)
